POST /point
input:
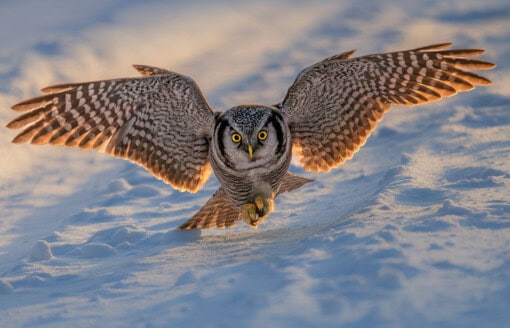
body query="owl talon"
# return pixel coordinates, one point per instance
(259, 203)
(249, 215)
(264, 205)
(255, 213)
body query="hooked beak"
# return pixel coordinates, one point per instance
(250, 151)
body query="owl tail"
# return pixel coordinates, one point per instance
(221, 212)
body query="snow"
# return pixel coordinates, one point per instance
(413, 231)
(5, 288)
(41, 252)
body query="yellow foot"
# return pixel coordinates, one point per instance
(255, 213)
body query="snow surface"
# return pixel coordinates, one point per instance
(414, 231)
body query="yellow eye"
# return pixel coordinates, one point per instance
(236, 137)
(262, 135)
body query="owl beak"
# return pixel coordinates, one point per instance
(250, 151)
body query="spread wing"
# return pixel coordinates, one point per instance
(160, 121)
(334, 105)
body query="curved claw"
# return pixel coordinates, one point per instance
(255, 213)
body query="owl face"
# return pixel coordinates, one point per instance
(249, 136)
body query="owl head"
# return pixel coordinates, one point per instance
(248, 135)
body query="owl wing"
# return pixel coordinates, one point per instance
(160, 121)
(333, 106)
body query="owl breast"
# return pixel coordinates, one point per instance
(245, 176)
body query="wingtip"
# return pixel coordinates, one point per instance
(52, 89)
(478, 51)
(142, 69)
(11, 125)
(19, 139)
(483, 81)
(347, 54)
(21, 106)
(435, 47)
(184, 226)
(32, 103)
(146, 70)
(138, 67)
(490, 65)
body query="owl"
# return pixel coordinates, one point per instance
(163, 122)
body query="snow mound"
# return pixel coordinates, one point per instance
(94, 250)
(41, 252)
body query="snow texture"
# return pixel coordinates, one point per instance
(41, 251)
(414, 231)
